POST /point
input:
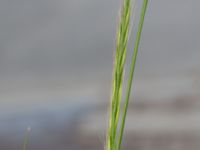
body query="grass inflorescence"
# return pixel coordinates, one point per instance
(116, 126)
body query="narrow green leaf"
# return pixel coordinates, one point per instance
(115, 131)
(132, 69)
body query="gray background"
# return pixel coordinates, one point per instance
(56, 60)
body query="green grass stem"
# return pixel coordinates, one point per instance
(26, 138)
(132, 69)
(115, 132)
(122, 40)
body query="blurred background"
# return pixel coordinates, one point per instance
(56, 70)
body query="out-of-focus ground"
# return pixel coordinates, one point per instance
(167, 121)
(55, 75)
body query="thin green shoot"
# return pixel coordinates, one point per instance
(115, 131)
(26, 138)
(122, 40)
(132, 69)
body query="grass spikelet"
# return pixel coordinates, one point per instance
(115, 131)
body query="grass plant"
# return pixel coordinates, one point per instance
(26, 138)
(116, 125)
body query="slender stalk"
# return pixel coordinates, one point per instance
(26, 138)
(122, 40)
(115, 132)
(133, 63)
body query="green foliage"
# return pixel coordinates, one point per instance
(116, 126)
